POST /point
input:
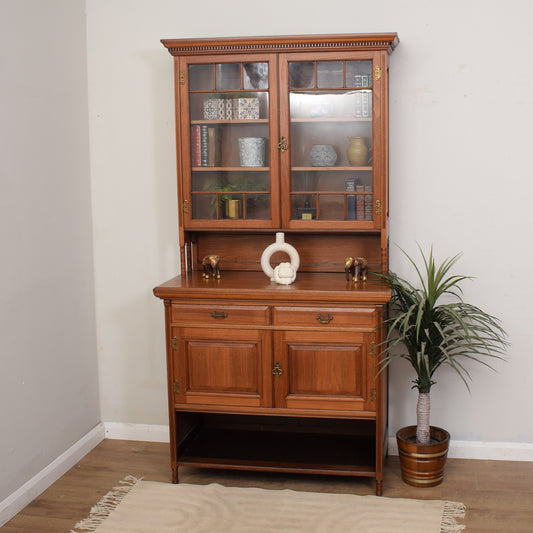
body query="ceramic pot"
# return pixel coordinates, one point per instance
(322, 155)
(422, 466)
(357, 151)
(252, 151)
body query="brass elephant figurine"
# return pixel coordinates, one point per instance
(355, 267)
(210, 266)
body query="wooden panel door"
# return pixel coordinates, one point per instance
(322, 370)
(222, 367)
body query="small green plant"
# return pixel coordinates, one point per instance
(242, 183)
(433, 332)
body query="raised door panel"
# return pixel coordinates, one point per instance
(322, 370)
(222, 367)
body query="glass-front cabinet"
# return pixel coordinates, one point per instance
(232, 176)
(329, 180)
(281, 140)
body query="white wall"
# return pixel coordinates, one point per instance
(48, 374)
(460, 117)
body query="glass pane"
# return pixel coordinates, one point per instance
(339, 104)
(228, 106)
(255, 76)
(303, 206)
(229, 141)
(237, 194)
(359, 74)
(331, 206)
(362, 104)
(258, 206)
(201, 77)
(204, 206)
(228, 130)
(329, 74)
(302, 75)
(331, 142)
(228, 76)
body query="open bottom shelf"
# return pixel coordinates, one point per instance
(312, 453)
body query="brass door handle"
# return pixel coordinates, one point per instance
(219, 314)
(277, 370)
(324, 318)
(283, 145)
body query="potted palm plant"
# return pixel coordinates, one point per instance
(430, 325)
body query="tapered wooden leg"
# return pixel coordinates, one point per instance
(379, 487)
(175, 475)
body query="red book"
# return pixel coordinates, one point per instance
(196, 146)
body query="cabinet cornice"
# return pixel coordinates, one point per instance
(292, 43)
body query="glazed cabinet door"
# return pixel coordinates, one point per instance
(226, 367)
(331, 118)
(229, 130)
(323, 370)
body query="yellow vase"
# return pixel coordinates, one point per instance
(357, 151)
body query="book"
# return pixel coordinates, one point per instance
(349, 186)
(360, 208)
(368, 202)
(213, 147)
(366, 104)
(203, 144)
(196, 146)
(358, 105)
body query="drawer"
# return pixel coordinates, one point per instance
(220, 315)
(343, 317)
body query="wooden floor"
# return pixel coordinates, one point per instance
(498, 494)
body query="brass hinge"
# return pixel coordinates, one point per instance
(182, 77)
(373, 394)
(186, 206)
(377, 73)
(174, 343)
(378, 207)
(176, 387)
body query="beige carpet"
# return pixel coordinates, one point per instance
(150, 507)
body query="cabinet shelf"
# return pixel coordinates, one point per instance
(232, 121)
(277, 452)
(332, 119)
(230, 169)
(320, 169)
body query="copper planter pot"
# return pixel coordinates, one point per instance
(422, 466)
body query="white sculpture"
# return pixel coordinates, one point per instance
(284, 273)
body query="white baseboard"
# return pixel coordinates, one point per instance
(145, 432)
(495, 451)
(16, 501)
(498, 451)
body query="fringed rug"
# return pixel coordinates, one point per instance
(149, 507)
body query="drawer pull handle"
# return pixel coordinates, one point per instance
(219, 314)
(324, 318)
(277, 370)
